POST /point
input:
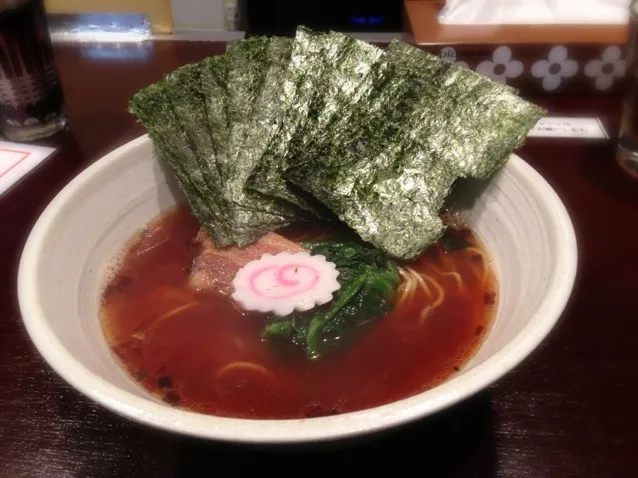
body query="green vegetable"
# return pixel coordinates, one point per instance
(368, 281)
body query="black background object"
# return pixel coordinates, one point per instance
(281, 17)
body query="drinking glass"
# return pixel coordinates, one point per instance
(31, 100)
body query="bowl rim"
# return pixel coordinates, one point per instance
(303, 430)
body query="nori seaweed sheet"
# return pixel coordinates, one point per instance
(328, 74)
(265, 120)
(155, 109)
(346, 80)
(248, 63)
(214, 77)
(279, 129)
(183, 88)
(358, 171)
(214, 73)
(387, 170)
(311, 54)
(479, 122)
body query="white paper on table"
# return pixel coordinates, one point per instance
(569, 127)
(17, 159)
(540, 12)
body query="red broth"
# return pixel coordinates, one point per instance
(202, 353)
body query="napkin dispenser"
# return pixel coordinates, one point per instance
(540, 58)
(535, 12)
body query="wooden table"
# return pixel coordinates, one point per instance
(568, 411)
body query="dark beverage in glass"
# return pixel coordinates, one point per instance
(31, 100)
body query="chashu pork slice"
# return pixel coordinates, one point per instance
(215, 268)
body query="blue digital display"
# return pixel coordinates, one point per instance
(358, 20)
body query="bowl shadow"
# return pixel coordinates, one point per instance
(173, 194)
(456, 442)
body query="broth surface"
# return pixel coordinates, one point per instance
(202, 353)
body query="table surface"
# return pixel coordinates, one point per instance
(568, 411)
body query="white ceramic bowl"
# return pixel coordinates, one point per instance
(519, 217)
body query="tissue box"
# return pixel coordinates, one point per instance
(536, 59)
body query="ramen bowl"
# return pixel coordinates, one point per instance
(518, 217)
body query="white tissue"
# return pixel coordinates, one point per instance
(525, 12)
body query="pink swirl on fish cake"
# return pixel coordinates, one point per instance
(276, 274)
(285, 282)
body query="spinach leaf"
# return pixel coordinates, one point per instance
(368, 281)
